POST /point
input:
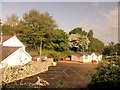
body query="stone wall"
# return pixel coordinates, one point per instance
(19, 72)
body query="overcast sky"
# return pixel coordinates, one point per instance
(101, 17)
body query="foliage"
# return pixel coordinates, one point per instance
(108, 72)
(56, 40)
(56, 55)
(60, 84)
(96, 45)
(90, 34)
(15, 86)
(39, 21)
(12, 20)
(7, 30)
(84, 41)
(36, 27)
(78, 30)
(112, 49)
(78, 42)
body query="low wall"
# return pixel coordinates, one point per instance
(19, 72)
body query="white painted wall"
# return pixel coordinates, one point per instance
(96, 57)
(25, 58)
(14, 42)
(19, 57)
(87, 58)
(75, 58)
(99, 58)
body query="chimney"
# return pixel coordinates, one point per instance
(14, 33)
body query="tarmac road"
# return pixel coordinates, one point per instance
(67, 74)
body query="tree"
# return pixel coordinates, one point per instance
(78, 30)
(78, 42)
(96, 45)
(90, 34)
(12, 20)
(56, 40)
(34, 25)
(112, 49)
(7, 30)
(85, 41)
(107, 75)
(39, 21)
(117, 48)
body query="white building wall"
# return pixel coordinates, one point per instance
(96, 57)
(99, 58)
(25, 57)
(13, 59)
(14, 42)
(19, 57)
(87, 58)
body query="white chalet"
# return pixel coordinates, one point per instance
(12, 42)
(87, 57)
(12, 52)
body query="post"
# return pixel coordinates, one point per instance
(40, 48)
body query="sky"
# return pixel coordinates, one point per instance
(101, 17)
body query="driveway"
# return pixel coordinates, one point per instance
(67, 74)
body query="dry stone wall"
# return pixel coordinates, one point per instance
(19, 72)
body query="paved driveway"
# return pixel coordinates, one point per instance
(67, 74)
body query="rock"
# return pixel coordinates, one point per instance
(54, 63)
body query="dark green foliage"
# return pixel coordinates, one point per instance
(60, 84)
(56, 40)
(108, 73)
(112, 49)
(8, 30)
(39, 21)
(96, 45)
(78, 30)
(90, 34)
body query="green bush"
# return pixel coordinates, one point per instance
(108, 73)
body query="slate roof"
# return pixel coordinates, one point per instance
(4, 38)
(79, 54)
(6, 51)
(85, 53)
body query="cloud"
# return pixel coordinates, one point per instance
(111, 26)
(107, 30)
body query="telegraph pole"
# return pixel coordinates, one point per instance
(40, 48)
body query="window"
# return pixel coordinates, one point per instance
(97, 57)
(86, 56)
